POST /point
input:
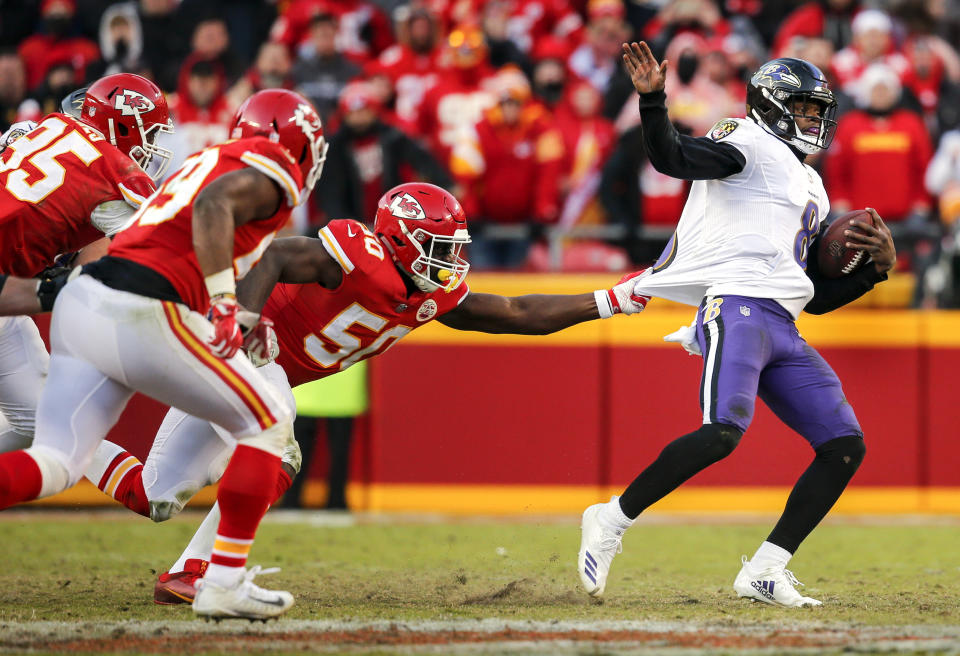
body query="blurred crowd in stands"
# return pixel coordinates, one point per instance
(522, 109)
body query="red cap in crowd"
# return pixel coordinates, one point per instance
(66, 6)
(550, 47)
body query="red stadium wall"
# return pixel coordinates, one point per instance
(470, 422)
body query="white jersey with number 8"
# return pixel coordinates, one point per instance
(748, 234)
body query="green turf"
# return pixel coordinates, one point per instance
(58, 567)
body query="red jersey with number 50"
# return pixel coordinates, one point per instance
(322, 331)
(160, 235)
(51, 181)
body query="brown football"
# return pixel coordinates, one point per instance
(833, 256)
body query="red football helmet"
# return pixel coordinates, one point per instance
(424, 229)
(130, 111)
(290, 120)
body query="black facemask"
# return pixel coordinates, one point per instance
(122, 49)
(551, 92)
(687, 67)
(57, 25)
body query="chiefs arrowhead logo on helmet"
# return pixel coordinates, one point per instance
(307, 119)
(406, 206)
(128, 101)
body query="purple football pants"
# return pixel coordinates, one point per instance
(751, 347)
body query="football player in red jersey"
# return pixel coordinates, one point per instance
(374, 287)
(64, 184)
(133, 322)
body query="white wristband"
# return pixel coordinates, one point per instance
(604, 306)
(221, 282)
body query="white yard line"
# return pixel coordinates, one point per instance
(826, 630)
(344, 519)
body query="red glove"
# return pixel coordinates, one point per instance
(622, 298)
(227, 338)
(260, 342)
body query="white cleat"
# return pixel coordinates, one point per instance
(772, 586)
(244, 600)
(598, 545)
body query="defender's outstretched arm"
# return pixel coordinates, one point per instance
(542, 314)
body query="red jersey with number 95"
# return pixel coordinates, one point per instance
(322, 331)
(51, 181)
(160, 235)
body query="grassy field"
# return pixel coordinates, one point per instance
(675, 573)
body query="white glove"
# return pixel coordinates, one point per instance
(622, 297)
(16, 131)
(686, 336)
(259, 338)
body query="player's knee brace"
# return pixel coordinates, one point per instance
(848, 451)
(55, 470)
(273, 440)
(718, 440)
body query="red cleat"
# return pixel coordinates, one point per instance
(178, 587)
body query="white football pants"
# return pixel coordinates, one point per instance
(189, 453)
(23, 370)
(106, 344)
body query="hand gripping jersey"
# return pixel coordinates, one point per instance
(323, 331)
(62, 186)
(160, 235)
(747, 234)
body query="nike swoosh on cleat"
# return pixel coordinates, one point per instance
(350, 232)
(273, 602)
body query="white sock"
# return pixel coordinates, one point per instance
(613, 514)
(201, 544)
(223, 575)
(770, 556)
(102, 457)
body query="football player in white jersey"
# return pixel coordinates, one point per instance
(740, 253)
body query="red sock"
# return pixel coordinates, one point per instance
(284, 481)
(246, 490)
(20, 478)
(123, 480)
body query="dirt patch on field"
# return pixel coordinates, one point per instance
(479, 636)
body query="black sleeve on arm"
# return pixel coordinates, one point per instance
(680, 156)
(832, 293)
